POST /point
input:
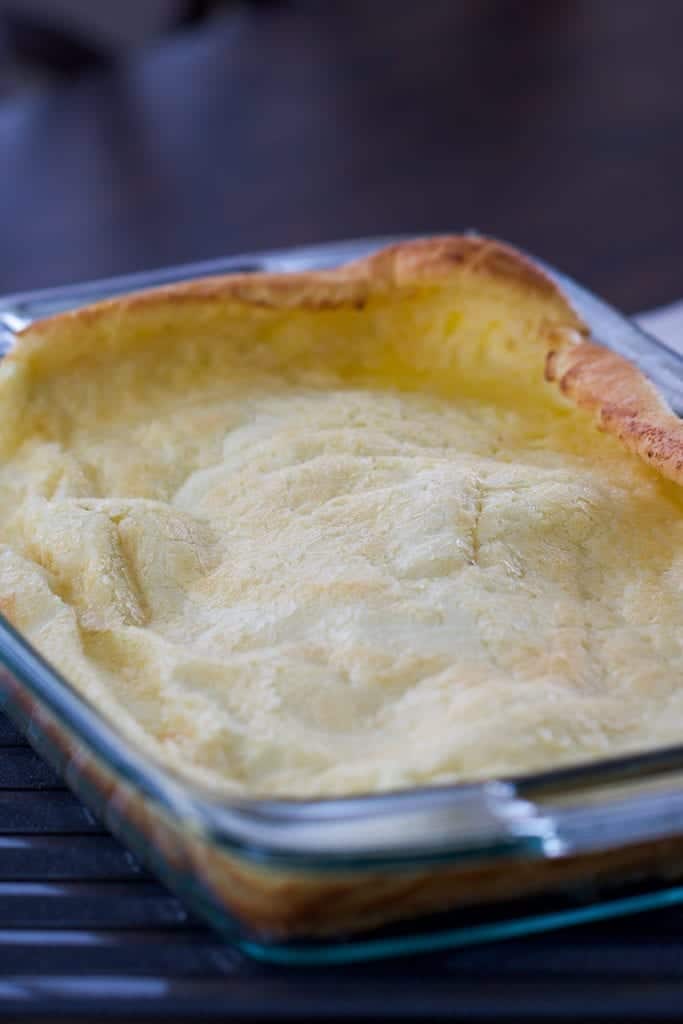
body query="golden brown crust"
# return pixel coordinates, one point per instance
(621, 399)
(397, 266)
(441, 258)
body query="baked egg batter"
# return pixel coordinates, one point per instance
(307, 583)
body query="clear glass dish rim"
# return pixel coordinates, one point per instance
(494, 817)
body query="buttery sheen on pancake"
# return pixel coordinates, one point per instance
(303, 569)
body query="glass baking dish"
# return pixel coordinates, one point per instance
(331, 881)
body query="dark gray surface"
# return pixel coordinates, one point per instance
(555, 123)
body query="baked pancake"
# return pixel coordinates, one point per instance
(395, 524)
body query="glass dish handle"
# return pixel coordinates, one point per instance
(481, 819)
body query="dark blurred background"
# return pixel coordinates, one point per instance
(141, 133)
